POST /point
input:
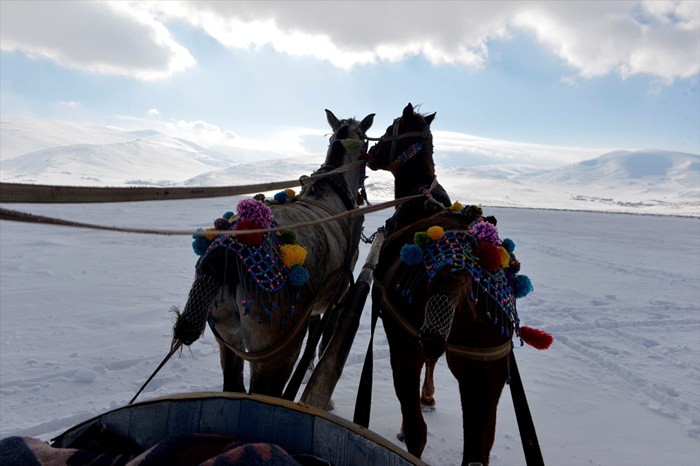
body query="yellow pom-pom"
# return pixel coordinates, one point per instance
(210, 236)
(505, 257)
(456, 207)
(436, 233)
(290, 193)
(292, 254)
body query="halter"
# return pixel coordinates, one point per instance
(396, 162)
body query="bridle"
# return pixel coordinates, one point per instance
(405, 156)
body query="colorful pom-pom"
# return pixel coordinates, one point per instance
(485, 231)
(282, 197)
(252, 239)
(292, 254)
(210, 236)
(352, 146)
(514, 266)
(197, 233)
(411, 254)
(288, 237)
(491, 219)
(259, 197)
(456, 207)
(290, 193)
(523, 286)
(509, 244)
(221, 224)
(421, 239)
(436, 232)
(536, 338)
(256, 212)
(489, 256)
(505, 257)
(298, 276)
(227, 215)
(472, 213)
(200, 245)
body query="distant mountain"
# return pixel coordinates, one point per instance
(22, 135)
(645, 166)
(251, 173)
(148, 158)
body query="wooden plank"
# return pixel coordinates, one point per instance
(256, 421)
(293, 430)
(184, 417)
(325, 377)
(117, 421)
(329, 441)
(148, 423)
(219, 416)
(361, 450)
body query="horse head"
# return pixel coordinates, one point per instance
(406, 139)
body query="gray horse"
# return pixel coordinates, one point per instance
(267, 328)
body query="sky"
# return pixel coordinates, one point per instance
(528, 82)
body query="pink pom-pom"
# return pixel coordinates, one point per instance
(256, 212)
(536, 338)
(485, 231)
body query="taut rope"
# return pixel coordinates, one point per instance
(19, 193)
(17, 216)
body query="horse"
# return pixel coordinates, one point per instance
(257, 305)
(429, 309)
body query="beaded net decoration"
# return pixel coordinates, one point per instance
(439, 314)
(263, 276)
(456, 250)
(194, 318)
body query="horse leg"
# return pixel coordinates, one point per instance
(406, 364)
(270, 377)
(232, 367)
(427, 400)
(480, 387)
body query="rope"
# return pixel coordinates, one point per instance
(17, 216)
(19, 193)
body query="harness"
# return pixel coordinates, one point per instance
(405, 156)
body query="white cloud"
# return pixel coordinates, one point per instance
(595, 38)
(659, 39)
(102, 37)
(70, 104)
(153, 111)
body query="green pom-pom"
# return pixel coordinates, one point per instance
(421, 239)
(259, 197)
(472, 212)
(288, 237)
(352, 146)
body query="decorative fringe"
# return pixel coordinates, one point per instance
(536, 338)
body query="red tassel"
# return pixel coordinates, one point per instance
(537, 338)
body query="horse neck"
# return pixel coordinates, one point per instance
(324, 190)
(415, 174)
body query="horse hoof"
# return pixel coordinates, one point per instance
(401, 437)
(427, 408)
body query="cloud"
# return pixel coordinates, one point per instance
(153, 111)
(70, 104)
(594, 38)
(101, 37)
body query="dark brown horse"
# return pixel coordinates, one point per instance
(256, 316)
(427, 311)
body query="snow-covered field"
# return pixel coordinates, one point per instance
(84, 320)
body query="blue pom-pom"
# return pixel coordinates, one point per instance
(200, 245)
(509, 245)
(523, 286)
(198, 230)
(227, 215)
(282, 197)
(411, 254)
(298, 276)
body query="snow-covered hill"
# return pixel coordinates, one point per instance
(640, 181)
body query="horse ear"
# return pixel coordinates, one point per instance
(429, 119)
(366, 123)
(408, 111)
(332, 120)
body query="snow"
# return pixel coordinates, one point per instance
(85, 320)
(84, 314)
